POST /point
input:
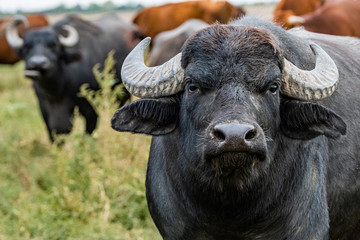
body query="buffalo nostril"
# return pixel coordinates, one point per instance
(219, 135)
(250, 134)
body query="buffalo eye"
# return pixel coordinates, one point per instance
(192, 87)
(27, 45)
(51, 44)
(274, 87)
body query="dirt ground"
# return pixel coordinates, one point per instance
(264, 11)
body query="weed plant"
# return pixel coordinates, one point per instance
(87, 187)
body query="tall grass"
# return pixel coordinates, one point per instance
(88, 187)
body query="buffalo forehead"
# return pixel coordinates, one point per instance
(41, 35)
(228, 53)
(252, 72)
(225, 42)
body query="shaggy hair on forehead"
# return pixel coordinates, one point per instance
(227, 42)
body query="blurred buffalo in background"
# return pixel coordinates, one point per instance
(7, 55)
(59, 58)
(167, 44)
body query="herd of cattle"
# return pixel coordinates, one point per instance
(255, 126)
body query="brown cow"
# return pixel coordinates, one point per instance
(154, 20)
(7, 55)
(336, 18)
(286, 8)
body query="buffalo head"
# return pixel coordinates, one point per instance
(43, 48)
(225, 99)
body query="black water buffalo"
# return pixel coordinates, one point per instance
(256, 134)
(167, 44)
(59, 58)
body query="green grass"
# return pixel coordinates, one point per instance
(89, 187)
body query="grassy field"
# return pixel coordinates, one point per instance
(89, 187)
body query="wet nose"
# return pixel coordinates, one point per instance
(234, 136)
(38, 62)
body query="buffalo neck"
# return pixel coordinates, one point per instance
(53, 85)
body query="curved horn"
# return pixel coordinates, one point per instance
(71, 39)
(143, 81)
(316, 84)
(12, 34)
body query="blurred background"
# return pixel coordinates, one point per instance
(95, 5)
(126, 9)
(86, 186)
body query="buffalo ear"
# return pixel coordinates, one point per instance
(305, 120)
(157, 116)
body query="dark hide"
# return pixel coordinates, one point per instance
(244, 161)
(62, 70)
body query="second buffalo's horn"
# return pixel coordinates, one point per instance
(71, 39)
